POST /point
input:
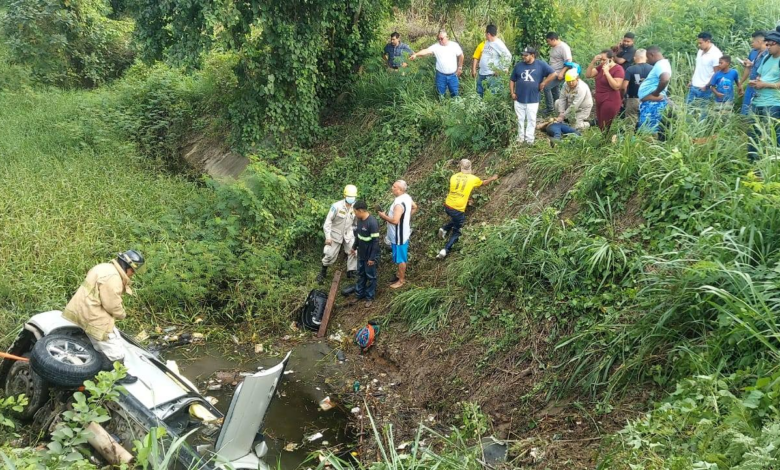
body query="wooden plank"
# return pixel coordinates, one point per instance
(334, 289)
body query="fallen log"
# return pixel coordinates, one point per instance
(106, 446)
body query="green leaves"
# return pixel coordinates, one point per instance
(68, 43)
(294, 55)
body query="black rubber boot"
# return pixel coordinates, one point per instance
(322, 274)
(351, 274)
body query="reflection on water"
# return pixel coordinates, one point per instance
(294, 413)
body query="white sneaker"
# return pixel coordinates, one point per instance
(442, 233)
(441, 254)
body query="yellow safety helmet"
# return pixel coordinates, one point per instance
(571, 75)
(350, 190)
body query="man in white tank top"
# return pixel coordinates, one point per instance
(399, 222)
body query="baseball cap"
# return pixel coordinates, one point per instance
(528, 50)
(772, 36)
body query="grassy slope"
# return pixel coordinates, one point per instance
(70, 192)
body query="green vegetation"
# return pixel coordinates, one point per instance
(639, 262)
(74, 42)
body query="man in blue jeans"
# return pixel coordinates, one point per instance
(706, 61)
(367, 247)
(449, 63)
(461, 185)
(766, 104)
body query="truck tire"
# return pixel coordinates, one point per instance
(65, 360)
(21, 379)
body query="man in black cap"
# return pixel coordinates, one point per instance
(626, 51)
(528, 79)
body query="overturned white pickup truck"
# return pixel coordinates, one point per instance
(62, 358)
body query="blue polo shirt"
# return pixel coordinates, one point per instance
(527, 78)
(395, 54)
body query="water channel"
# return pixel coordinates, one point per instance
(294, 414)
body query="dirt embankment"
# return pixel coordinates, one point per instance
(423, 378)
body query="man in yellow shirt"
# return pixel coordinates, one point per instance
(461, 185)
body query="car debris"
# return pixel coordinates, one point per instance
(162, 397)
(326, 404)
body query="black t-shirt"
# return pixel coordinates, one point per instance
(635, 75)
(367, 239)
(627, 54)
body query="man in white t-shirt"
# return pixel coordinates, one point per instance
(706, 60)
(400, 221)
(449, 63)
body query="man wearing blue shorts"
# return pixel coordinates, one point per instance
(399, 228)
(652, 91)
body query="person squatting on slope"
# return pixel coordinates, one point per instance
(97, 304)
(575, 102)
(366, 246)
(339, 229)
(461, 185)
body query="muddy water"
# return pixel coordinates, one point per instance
(294, 414)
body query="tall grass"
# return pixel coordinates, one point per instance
(71, 194)
(425, 309)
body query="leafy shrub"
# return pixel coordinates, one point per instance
(157, 107)
(708, 422)
(68, 43)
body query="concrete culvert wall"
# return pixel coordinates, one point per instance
(212, 156)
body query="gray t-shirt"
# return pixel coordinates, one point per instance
(558, 55)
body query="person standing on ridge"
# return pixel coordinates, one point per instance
(723, 84)
(449, 63)
(652, 91)
(395, 52)
(754, 59)
(529, 78)
(609, 81)
(339, 230)
(766, 104)
(97, 305)
(494, 59)
(560, 53)
(399, 228)
(707, 59)
(626, 52)
(366, 246)
(461, 185)
(635, 75)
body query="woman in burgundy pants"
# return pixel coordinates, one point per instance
(609, 78)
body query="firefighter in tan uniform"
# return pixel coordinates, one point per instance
(339, 233)
(97, 305)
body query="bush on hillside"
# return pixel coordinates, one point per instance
(71, 43)
(157, 107)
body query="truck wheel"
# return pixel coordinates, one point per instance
(22, 379)
(65, 360)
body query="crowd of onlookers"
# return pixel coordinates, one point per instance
(629, 83)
